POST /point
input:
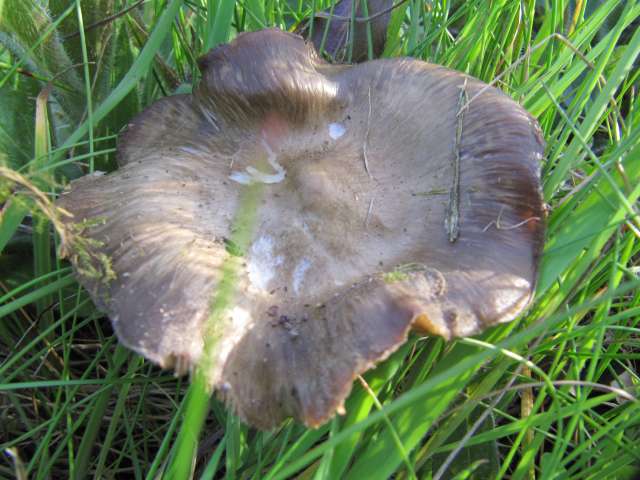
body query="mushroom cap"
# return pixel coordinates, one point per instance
(331, 30)
(396, 194)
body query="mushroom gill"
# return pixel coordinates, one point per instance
(395, 194)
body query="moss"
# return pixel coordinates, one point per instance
(233, 248)
(85, 253)
(395, 276)
(402, 272)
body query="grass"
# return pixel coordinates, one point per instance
(551, 395)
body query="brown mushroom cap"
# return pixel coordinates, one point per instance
(365, 170)
(332, 29)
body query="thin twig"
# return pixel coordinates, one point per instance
(499, 225)
(576, 15)
(392, 430)
(465, 439)
(634, 223)
(584, 182)
(453, 211)
(366, 138)
(529, 52)
(105, 20)
(526, 55)
(366, 220)
(526, 410)
(558, 383)
(524, 362)
(52, 211)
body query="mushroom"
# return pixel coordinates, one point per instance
(331, 30)
(396, 194)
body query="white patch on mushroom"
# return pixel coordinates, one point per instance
(240, 318)
(210, 117)
(241, 177)
(299, 273)
(336, 130)
(262, 263)
(190, 150)
(253, 175)
(511, 297)
(259, 176)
